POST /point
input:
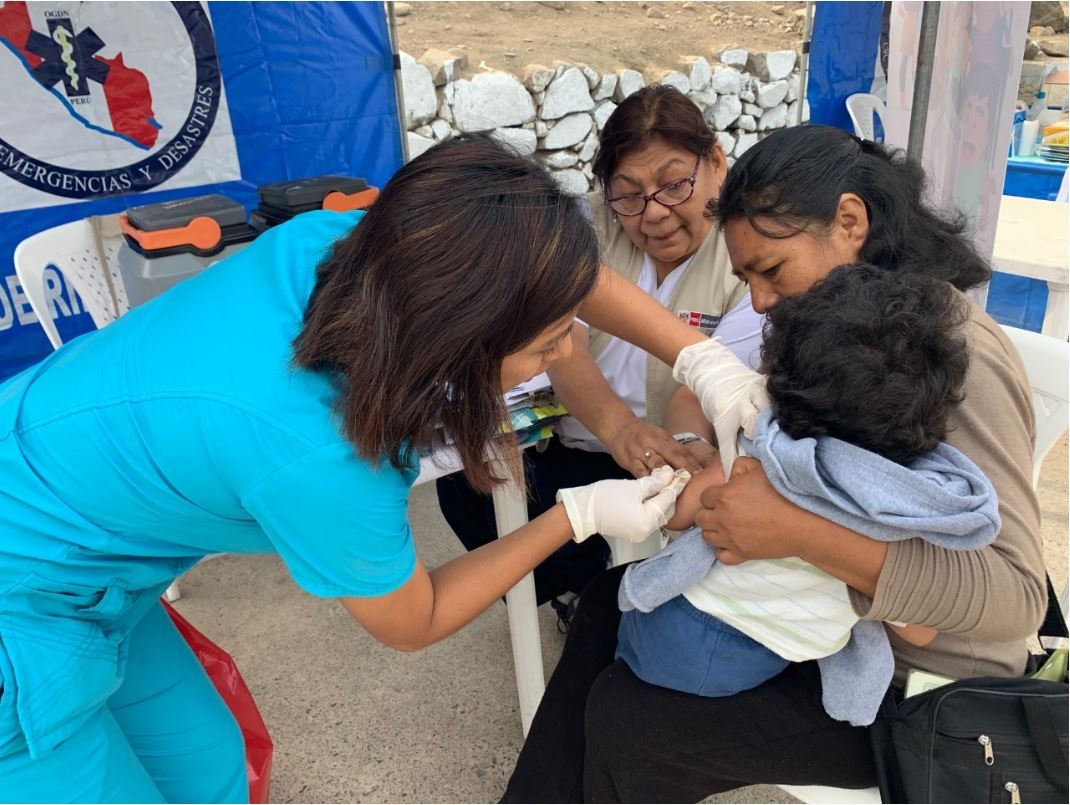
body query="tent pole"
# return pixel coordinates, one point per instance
(923, 78)
(399, 91)
(804, 60)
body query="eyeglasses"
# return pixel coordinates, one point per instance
(668, 196)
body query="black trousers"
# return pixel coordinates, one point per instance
(471, 514)
(603, 735)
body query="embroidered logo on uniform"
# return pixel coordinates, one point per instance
(706, 322)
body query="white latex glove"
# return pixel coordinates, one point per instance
(732, 394)
(626, 509)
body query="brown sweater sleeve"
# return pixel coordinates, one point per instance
(986, 601)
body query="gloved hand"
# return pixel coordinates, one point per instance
(630, 510)
(732, 395)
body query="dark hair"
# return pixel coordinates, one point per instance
(654, 112)
(871, 357)
(794, 179)
(469, 253)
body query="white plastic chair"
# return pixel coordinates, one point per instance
(85, 260)
(1047, 365)
(862, 107)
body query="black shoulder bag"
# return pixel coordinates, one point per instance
(988, 739)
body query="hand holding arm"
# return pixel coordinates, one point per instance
(629, 510)
(731, 394)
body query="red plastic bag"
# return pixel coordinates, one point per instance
(228, 681)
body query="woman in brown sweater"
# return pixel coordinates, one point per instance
(805, 200)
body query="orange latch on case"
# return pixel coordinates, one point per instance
(201, 233)
(336, 201)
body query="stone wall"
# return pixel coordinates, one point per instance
(557, 112)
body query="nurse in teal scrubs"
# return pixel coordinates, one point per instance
(275, 403)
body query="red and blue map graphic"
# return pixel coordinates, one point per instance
(64, 62)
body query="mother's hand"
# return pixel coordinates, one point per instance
(639, 447)
(747, 518)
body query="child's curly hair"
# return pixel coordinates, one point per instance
(875, 358)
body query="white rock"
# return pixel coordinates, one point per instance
(752, 109)
(520, 140)
(746, 123)
(769, 95)
(589, 147)
(568, 131)
(566, 94)
(440, 129)
(725, 112)
(443, 65)
(588, 171)
(775, 118)
(602, 113)
(699, 73)
(530, 125)
(537, 77)
(745, 141)
(417, 144)
(560, 159)
(424, 131)
(444, 110)
(726, 80)
(541, 129)
(774, 66)
(747, 95)
(655, 13)
(402, 9)
(560, 67)
(606, 87)
(489, 101)
(572, 182)
(674, 78)
(419, 92)
(793, 87)
(735, 57)
(629, 81)
(591, 75)
(538, 97)
(703, 99)
(455, 132)
(726, 141)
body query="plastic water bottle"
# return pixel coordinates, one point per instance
(1038, 106)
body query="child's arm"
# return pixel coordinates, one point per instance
(688, 504)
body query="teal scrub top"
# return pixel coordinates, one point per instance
(180, 430)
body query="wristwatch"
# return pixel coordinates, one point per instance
(687, 437)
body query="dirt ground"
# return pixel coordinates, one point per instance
(608, 36)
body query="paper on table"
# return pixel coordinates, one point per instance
(525, 390)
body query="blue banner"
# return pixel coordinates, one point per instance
(114, 105)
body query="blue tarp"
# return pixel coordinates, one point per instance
(310, 90)
(843, 56)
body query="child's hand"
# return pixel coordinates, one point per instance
(913, 633)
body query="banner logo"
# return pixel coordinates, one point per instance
(124, 111)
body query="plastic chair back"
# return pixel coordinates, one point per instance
(76, 251)
(862, 107)
(1047, 364)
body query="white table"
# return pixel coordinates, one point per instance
(1031, 241)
